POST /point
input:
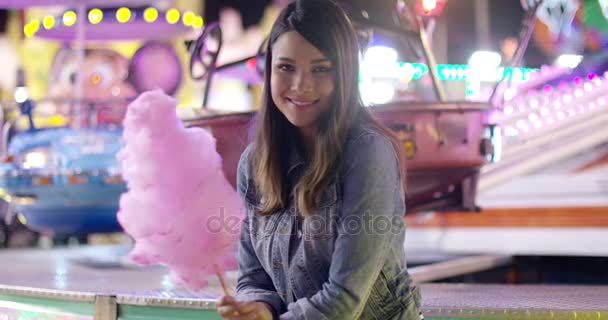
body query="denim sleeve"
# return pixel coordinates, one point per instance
(253, 283)
(370, 218)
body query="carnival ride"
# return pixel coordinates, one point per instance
(65, 180)
(545, 199)
(447, 142)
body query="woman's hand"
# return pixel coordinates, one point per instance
(231, 309)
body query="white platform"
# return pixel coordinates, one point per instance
(510, 241)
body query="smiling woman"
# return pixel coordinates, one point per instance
(302, 82)
(322, 182)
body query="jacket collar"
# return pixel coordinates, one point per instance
(295, 158)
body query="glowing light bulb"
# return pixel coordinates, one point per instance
(150, 14)
(48, 22)
(95, 16)
(188, 18)
(69, 18)
(198, 22)
(172, 16)
(123, 15)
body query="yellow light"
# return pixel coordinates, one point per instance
(95, 79)
(26, 30)
(198, 22)
(172, 16)
(31, 28)
(188, 18)
(69, 18)
(150, 14)
(35, 25)
(4, 195)
(22, 219)
(95, 16)
(48, 22)
(7, 197)
(123, 15)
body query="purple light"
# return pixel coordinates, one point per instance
(495, 117)
(577, 80)
(544, 112)
(510, 131)
(562, 85)
(591, 75)
(557, 104)
(510, 94)
(587, 86)
(534, 74)
(533, 103)
(547, 88)
(597, 81)
(521, 124)
(544, 69)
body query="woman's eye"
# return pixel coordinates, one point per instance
(285, 67)
(322, 69)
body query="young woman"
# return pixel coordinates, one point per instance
(322, 180)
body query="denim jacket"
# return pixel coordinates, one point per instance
(346, 261)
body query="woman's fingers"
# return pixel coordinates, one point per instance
(255, 310)
(227, 307)
(249, 316)
(247, 307)
(226, 300)
(228, 312)
(231, 309)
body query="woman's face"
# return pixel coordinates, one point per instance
(301, 81)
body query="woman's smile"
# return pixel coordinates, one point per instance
(299, 103)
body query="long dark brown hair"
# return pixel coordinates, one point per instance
(325, 25)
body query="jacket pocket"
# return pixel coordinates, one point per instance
(261, 227)
(322, 224)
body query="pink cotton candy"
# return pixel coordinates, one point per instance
(179, 208)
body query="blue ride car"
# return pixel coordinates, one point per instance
(64, 181)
